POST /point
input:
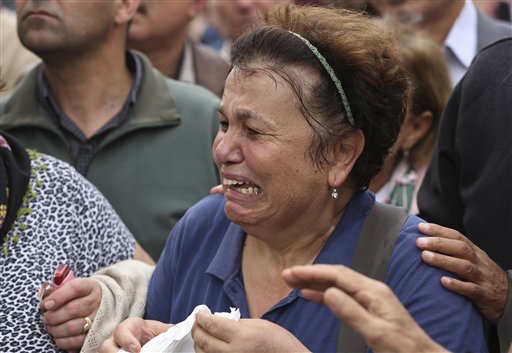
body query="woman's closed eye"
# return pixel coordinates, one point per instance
(253, 132)
(223, 125)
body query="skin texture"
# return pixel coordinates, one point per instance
(65, 308)
(368, 306)
(261, 143)
(484, 282)
(217, 334)
(233, 17)
(436, 17)
(132, 333)
(253, 144)
(424, 11)
(155, 20)
(159, 30)
(82, 44)
(47, 27)
(261, 140)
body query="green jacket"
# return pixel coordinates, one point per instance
(152, 168)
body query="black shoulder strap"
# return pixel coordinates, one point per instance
(374, 247)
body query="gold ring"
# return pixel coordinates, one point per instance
(87, 325)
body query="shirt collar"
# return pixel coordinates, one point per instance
(187, 73)
(226, 262)
(337, 250)
(133, 62)
(462, 38)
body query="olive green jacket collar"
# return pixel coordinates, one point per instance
(154, 106)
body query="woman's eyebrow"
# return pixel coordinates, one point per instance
(241, 114)
(244, 114)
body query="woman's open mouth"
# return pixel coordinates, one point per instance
(243, 187)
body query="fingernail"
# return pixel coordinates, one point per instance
(132, 348)
(423, 225)
(49, 304)
(422, 241)
(427, 255)
(445, 280)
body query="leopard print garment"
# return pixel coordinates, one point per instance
(63, 219)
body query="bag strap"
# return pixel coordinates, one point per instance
(374, 247)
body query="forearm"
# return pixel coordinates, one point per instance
(142, 255)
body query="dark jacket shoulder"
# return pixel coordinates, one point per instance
(210, 68)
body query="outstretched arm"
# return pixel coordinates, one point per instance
(367, 305)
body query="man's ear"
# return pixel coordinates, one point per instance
(344, 157)
(414, 129)
(196, 8)
(126, 10)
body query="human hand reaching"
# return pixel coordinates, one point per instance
(484, 282)
(367, 305)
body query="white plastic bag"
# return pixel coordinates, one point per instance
(178, 339)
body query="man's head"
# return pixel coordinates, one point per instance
(158, 21)
(418, 12)
(57, 27)
(233, 17)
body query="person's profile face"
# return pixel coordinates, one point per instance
(410, 11)
(236, 16)
(262, 151)
(160, 19)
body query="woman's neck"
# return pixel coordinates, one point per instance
(301, 252)
(298, 241)
(263, 264)
(269, 250)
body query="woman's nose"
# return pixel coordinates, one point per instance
(227, 149)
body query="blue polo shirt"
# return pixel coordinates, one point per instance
(201, 264)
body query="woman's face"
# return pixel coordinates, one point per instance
(262, 151)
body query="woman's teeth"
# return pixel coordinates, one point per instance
(249, 190)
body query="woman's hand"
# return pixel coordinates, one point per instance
(65, 311)
(367, 305)
(217, 190)
(213, 333)
(486, 284)
(132, 334)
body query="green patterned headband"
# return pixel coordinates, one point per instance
(332, 75)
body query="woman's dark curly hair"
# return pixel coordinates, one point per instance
(364, 58)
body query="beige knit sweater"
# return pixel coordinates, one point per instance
(123, 294)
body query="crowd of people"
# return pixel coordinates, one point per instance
(248, 147)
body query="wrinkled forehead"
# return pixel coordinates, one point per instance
(264, 93)
(299, 80)
(254, 81)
